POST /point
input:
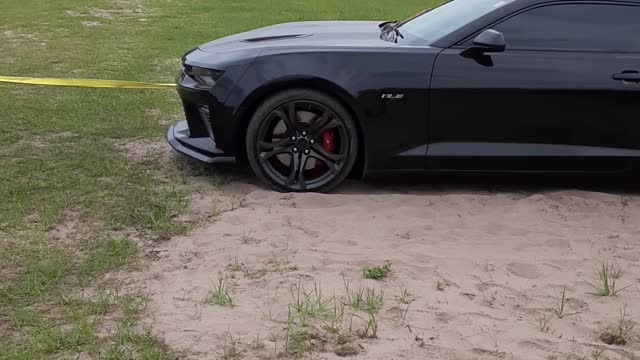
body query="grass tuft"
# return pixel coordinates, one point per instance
(353, 298)
(102, 302)
(374, 300)
(308, 304)
(220, 294)
(608, 276)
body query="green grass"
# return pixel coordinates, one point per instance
(59, 165)
(39, 267)
(376, 272)
(106, 255)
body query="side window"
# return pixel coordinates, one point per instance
(574, 27)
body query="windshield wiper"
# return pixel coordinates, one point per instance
(397, 32)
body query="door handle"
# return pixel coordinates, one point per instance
(627, 75)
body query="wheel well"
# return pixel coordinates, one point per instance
(254, 100)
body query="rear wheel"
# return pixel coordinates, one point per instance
(301, 140)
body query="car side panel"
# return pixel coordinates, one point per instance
(533, 110)
(386, 89)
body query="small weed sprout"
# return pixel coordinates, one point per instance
(230, 349)
(561, 305)
(220, 295)
(559, 309)
(543, 322)
(258, 344)
(404, 297)
(235, 267)
(621, 332)
(376, 272)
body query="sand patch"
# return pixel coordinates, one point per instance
(39, 143)
(478, 269)
(19, 36)
(140, 150)
(121, 9)
(68, 229)
(15, 39)
(91, 23)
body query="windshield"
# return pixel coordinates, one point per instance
(435, 24)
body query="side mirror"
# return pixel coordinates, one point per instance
(490, 41)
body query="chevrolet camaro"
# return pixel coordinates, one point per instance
(471, 85)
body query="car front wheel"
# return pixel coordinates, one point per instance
(301, 140)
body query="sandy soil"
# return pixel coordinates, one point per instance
(482, 268)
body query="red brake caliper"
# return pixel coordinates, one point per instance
(327, 141)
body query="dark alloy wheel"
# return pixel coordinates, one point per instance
(301, 140)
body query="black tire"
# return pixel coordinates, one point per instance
(301, 140)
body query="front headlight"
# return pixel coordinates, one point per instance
(204, 77)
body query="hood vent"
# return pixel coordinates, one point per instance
(276, 37)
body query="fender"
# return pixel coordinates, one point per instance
(381, 120)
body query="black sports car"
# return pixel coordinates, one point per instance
(490, 85)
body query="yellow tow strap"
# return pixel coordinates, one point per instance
(87, 83)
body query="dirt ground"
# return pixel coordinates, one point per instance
(476, 273)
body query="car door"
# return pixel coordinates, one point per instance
(563, 96)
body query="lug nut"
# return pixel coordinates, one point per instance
(307, 152)
(304, 133)
(312, 141)
(293, 138)
(295, 149)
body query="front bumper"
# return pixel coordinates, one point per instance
(199, 148)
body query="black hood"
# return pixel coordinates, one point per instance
(303, 35)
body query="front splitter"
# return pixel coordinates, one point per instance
(202, 149)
